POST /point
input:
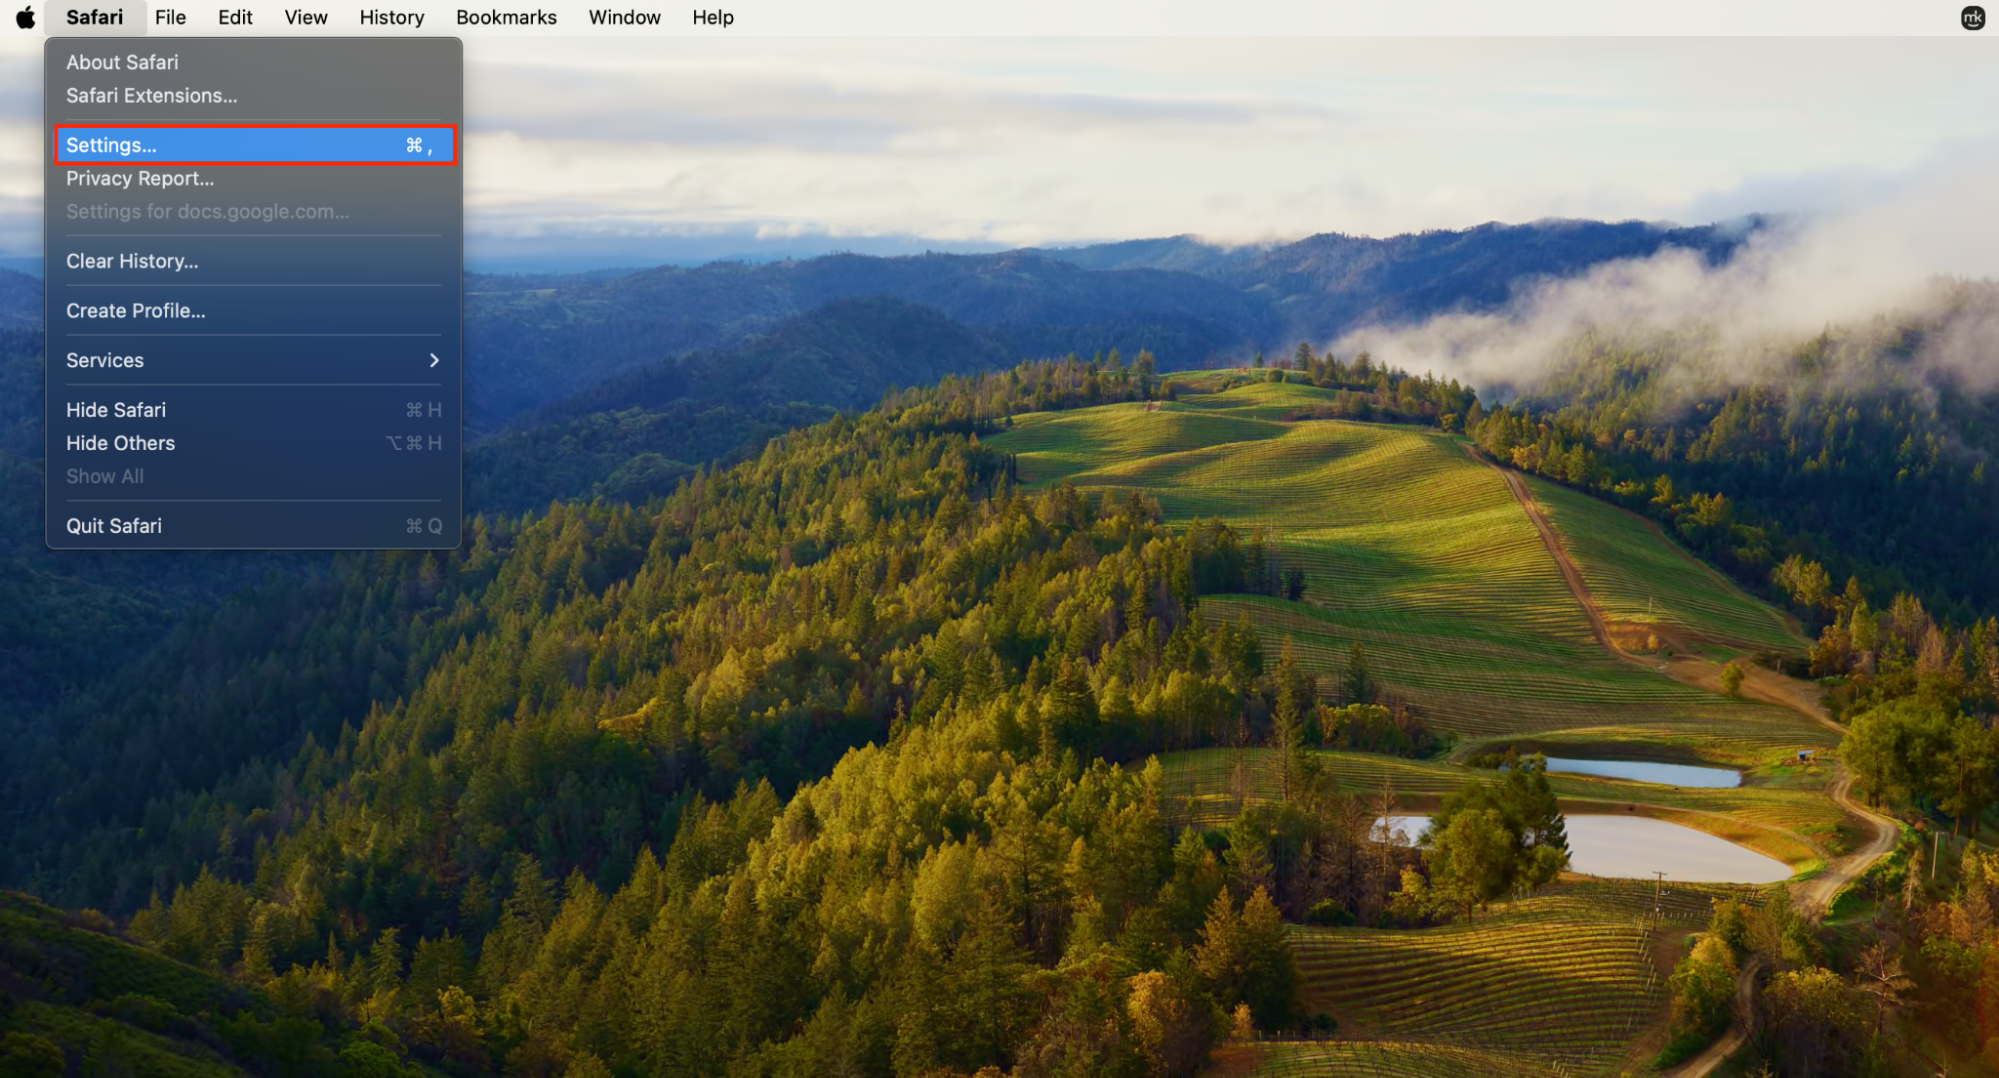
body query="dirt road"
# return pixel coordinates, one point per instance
(1815, 895)
(1571, 575)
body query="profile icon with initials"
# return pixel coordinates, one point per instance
(1973, 18)
(25, 19)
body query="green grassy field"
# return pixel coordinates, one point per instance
(1386, 1058)
(1419, 554)
(1636, 577)
(1571, 975)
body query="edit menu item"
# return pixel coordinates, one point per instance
(255, 288)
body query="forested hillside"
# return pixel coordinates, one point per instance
(78, 997)
(609, 813)
(769, 723)
(833, 761)
(637, 434)
(276, 672)
(1855, 450)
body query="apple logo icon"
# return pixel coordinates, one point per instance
(26, 19)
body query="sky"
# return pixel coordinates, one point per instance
(605, 153)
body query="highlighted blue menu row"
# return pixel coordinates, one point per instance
(256, 144)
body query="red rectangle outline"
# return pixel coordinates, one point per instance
(55, 134)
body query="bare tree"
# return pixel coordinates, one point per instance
(1385, 837)
(1238, 782)
(1912, 885)
(1880, 975)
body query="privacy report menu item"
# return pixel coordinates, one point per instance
(255, 285)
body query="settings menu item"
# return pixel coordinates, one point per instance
(255, 286)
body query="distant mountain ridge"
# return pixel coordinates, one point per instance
(527, 347)
(1335, 282)
(545, 338)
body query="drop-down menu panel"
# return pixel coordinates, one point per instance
(254, 254)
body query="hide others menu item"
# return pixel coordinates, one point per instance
(255, 267)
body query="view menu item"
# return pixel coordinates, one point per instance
(254, 284)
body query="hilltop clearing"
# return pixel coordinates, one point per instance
(1423, 557)
(1504, 610)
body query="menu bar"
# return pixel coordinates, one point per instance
(1171, 18)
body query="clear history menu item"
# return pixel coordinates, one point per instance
(255, 287)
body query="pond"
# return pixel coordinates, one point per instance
(1649, 771)
(1634, 847)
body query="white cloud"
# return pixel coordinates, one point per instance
(1892, 253)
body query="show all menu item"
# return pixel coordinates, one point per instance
(254, 287)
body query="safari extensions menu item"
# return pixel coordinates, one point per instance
(254, 287)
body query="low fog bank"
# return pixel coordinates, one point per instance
(1923, 255)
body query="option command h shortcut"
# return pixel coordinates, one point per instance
(255, 286)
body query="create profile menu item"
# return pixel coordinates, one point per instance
(254, 293)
